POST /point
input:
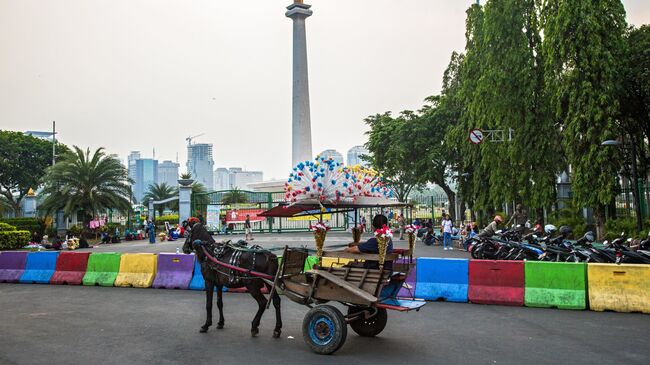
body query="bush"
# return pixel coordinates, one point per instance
(75, 230)
(27, 224)
(172, 219)
(614, 227)
(13, 240)
(6, 227)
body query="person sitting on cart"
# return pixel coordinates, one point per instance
(370, 246)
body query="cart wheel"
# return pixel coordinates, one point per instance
(324, 329)
(370, 327)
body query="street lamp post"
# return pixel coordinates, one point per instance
(635, 180)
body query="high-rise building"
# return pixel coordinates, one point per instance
(168, 173)
(354, 156)
(134, 155)
(221, 179)
(146, 173)
(200, 163)
(334, 154)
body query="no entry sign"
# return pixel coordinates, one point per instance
(476, 136)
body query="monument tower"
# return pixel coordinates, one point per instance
(300, 117)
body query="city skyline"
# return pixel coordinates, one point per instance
(121, 76)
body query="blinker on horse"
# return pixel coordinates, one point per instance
(220, 275)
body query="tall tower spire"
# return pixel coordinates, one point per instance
(300, 117)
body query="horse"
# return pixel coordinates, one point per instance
(216, 275)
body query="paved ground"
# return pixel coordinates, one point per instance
(46, 324)
(276, 240)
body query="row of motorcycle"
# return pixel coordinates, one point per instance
(554, 245)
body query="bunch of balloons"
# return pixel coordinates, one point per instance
(331, 182)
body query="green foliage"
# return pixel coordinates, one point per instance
(92, 183)
(392, 151)
(584, 91)
(627, 226)
(75, 230)
(27, 224)
(13, 240)
(199, 194)
(171, 218)
(235, 196)
(186, 175)
(159, 192)
(23, 160)
(6, 227)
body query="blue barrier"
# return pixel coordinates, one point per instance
(39, 268)
(439, 278)
(197, 282)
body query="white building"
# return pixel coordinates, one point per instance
(221, 179)
(200, 163)
(168, 173)
(354, 156)
(235, 177)
(334, 154)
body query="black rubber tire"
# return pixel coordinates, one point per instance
(324, 329)
(370, 327)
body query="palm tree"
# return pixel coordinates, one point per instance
(92, 183)
(160, 192)
(234, 196)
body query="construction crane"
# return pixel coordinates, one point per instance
(189, 139)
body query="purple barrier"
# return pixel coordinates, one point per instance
(12, 265)
(174, 271)
(408, 289)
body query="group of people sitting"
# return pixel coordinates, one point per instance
(60, 243)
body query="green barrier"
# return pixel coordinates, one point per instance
(555, 284)
(102, 269)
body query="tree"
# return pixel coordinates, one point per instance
(158, 192)
(391, 152)
(510, 97)
(91, 183)
(234, 196)
(635, 96)
(23, 160)
(583, 43)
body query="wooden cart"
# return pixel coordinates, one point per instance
(367, 293)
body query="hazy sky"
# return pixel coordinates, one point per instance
(138, 75)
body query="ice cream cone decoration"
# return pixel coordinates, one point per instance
(383, 235)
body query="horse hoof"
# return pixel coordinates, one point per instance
(220, 326)
(254, 332)
(203, 330)
(276, 333)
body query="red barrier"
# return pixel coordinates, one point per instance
(70, 268)
(496, 282)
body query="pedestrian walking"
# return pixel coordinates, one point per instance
(447, 226)
(152, 232)
(401, 223)
(248, 229)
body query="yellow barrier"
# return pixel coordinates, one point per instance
(137, 270)
(333, 261)
(621, 288)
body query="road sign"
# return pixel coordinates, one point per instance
(476, 136)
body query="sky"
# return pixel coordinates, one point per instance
(145, 74)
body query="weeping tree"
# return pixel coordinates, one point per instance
(86, 182)
(235, 196)
(583, 43)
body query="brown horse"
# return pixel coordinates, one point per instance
(218, 276)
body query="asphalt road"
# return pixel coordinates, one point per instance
(275, 240)
(47, 324)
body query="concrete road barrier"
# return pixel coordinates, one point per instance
(620, 288)
(496, 282)
(442, 279)
(12, 265)
(137, 270)
(555, 284)
(39, 267)
(174, 271)
(102, 269)
(70, 268)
